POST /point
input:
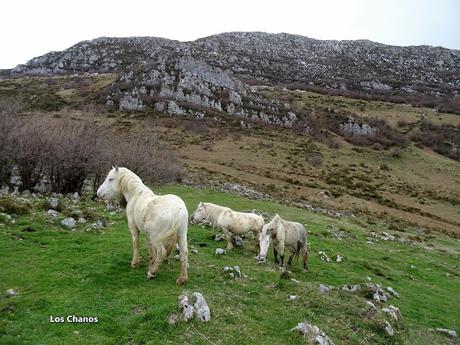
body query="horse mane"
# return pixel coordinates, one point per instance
(130, 183)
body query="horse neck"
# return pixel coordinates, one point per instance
(130, 184)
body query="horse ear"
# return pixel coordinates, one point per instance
(116, 168)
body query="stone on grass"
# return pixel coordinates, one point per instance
(324, 289)
(292, 298)
(313, 334)
(52, 213)
(351, 288)
(53, 203)
(75, 197)
(392, 291)
(448, 332)
(339, 258)
(194, 251)
(237, 241)
(82, 220)
(69, 223)
(202, 311)
(393, 312)
(186, 308)
(219, 237)
(323, 256)
(220, 251)
(372, 305)
(389, 328)
(10, 293)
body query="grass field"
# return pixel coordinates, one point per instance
(57, 272)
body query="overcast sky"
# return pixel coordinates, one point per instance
(30, 28)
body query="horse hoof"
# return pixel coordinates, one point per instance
(151, 275)
(135, 264)
(181, 281)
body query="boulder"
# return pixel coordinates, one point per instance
(313, 334)
(393, 312)
(52, 213)
(69, 223)
(447, 332)
(388, 328)
(220, 251)
(10, 293)
(351, 288)
(186, 308)
(201, 308)
(54, 203)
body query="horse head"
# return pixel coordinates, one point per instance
(110, 189)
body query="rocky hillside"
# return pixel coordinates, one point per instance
(276, 58)
(212, 75)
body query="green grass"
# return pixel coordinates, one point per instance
(87, 273)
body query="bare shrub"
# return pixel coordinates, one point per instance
(67, 153)
(396, 152)
(443, 139)
(11, 105)
(196, 127)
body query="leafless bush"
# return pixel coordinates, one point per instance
(196, 126)
(11, 105)
(67, 153)
(444, 139)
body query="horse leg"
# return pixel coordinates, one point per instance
(158, 255)
(228, 237)
(304, 252)
(257, 234)
(183, 250)
(275, 254)
(291, 256)
(281, 250)
(135, 238)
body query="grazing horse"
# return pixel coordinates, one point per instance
(232, 222)
(162, 218)
(282, 233)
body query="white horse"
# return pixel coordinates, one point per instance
(232, 222)
(282, 233)
(162, 218)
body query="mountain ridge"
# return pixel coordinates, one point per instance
(281, 58)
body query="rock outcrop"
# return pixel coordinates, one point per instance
(360, 65)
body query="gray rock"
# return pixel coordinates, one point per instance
(237, 271)
(392, 291)
(82, 220)
(448, 332)
(292, 298)
(351, 288)
(69, 223)
(393, 311)
(323, 289)
(219, 237)
(388, 328)
(237, 241)
(339, 258)
(10, 293)
(323, 256)
(53, 203)
(187, 308)
(202, 311)
(52, 213)
(220, 251)
(312, 333)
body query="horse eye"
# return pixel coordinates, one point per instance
(110, 179)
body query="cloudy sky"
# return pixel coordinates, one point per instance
(30, 28)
